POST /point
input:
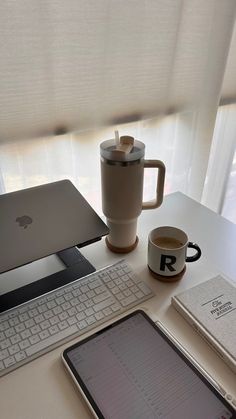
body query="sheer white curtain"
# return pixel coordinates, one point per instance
(87, 64)
(221, 158)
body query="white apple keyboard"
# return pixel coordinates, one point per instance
(44, 323)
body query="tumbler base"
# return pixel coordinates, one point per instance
(121, 249)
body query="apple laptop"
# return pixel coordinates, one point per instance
(43, 220)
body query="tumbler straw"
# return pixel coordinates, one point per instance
(124, 144)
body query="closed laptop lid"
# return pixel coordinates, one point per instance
(39, 221)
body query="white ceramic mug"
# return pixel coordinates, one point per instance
(167, 252)
(122, 173)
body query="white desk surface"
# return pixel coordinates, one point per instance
(41, 389)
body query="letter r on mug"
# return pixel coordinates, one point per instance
(167, 261)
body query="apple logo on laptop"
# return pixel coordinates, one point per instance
(24, 221)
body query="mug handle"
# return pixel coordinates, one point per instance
(160, 184)
(197, 254)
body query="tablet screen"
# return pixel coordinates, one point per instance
(131, 371)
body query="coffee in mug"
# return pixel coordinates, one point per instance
(167, 252)
(167, 242)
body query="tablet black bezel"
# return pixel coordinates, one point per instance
(85, 390)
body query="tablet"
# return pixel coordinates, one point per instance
(132, 370)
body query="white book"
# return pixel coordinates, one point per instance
(210, 308)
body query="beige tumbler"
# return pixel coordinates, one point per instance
(122, 173)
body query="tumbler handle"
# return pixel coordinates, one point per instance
(155, 203)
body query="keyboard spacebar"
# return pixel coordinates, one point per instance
(51, 340)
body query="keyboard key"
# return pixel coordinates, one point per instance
(115, 307)
(122, 287)
(9, 361)
(33, 305)
(83, 298)
(120, 296)
(63, 316)
(29, 323)
(80, 307)
(65, 306)
(63, 325)
(101, 297)
(99, 315)
(68, 296)
(125, 278)
(15, 339)
(4, 325)
(104, 304)
(51, 304)
(32, 313)
(128, 300)
(60, 300)
(14, 321)
(74, 302)
(3, 354)
(10, 332)
(20, 356)
(72, 311)
(106, 278)
(118, 281)
(115, 290)
(111, 285)
(144, 288)
(72, 320)
(100, 289)
(81, 316)
(95, 284)
(139, 294)
(48, 314)
(84, 288)
(19, 327)
(42, 308)
(34, 339)
(57, 310)
(89, 303)
(5, 344)
(24, 344)
(82, 324)
(38, 319)
(59, 293)
(88, 312)
(54, 320)
(129, 283)
(26, 334)
(23, 317)
(53, 329)
(35, 329)
(134, 289)
(90, 320)
(107, 311)
(127, 292)
(44, 334)
(91, 294)
(4, 317)
(45, 324)
(13, 349)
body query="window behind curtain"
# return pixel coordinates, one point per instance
(81, 66)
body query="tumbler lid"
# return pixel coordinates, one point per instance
(122, 149)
